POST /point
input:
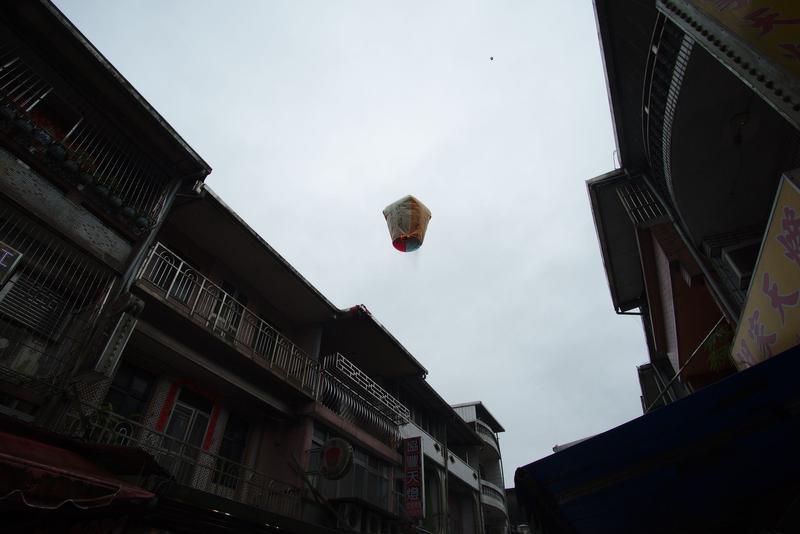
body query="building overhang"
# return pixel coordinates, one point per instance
(483, 414)
(233, 243)
(366, 342)
(625, 30)
(616, 235)
(45, 29)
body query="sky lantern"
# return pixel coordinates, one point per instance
(407, 220)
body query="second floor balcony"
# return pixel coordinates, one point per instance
(188, 466)
(354, 396)
(173, 280)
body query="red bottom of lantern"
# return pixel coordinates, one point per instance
(408, 244)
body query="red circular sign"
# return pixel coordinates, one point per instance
(336, 458)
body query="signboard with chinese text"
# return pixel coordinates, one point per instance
(9, 259)
(770, 27)
(413, 472)
(770, 322)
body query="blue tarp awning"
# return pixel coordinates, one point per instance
(725, 459)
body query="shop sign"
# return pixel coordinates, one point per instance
(770, 322)
(413, 487)
(336, 459)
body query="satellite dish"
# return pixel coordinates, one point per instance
(407, 220)
(336, 459)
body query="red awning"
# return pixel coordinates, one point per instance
(40, 475)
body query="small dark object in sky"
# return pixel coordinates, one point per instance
(491, 58)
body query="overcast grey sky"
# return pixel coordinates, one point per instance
(316, 115)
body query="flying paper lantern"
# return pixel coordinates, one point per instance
(407, 220)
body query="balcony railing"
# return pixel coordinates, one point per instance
(209, 305)
(353, 395)
(486, 433)
(188, 465)
(77, 144)
(493, 495)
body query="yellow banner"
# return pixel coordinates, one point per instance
(770, 323)
(770, 27)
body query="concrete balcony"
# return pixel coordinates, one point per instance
(189, 466)
(489, 437)
(169, 278)
(463, 471)
(494, 498)
(430, 446)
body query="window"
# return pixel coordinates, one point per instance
(130, 392)
(231, 453)
(185, 432)
(367, 480)
(228, 309)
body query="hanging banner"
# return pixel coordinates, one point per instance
(413, 487)
(770, 322)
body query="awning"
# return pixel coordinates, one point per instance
(40, 475)
(724, 459)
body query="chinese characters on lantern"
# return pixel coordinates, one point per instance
(413, 489)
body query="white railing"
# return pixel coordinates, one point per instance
(188, 465)
(199, 298)
(367, 388)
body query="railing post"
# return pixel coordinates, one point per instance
(221, 309)
(199, 293)
(174, 278)
(146, 262)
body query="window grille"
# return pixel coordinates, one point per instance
(52, 301)
(103, 158)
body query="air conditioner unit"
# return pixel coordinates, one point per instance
(350, 517)
(741, 258)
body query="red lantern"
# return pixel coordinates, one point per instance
(407, 220)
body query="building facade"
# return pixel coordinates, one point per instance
(706, 108)
(162, 367)
(489, 463)
(698, 235)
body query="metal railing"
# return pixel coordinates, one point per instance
(79, 142)
(670, 50)
(366, 387)
(343, 400)
(190, 466)
(216, 310)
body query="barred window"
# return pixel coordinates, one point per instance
(50, 303)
